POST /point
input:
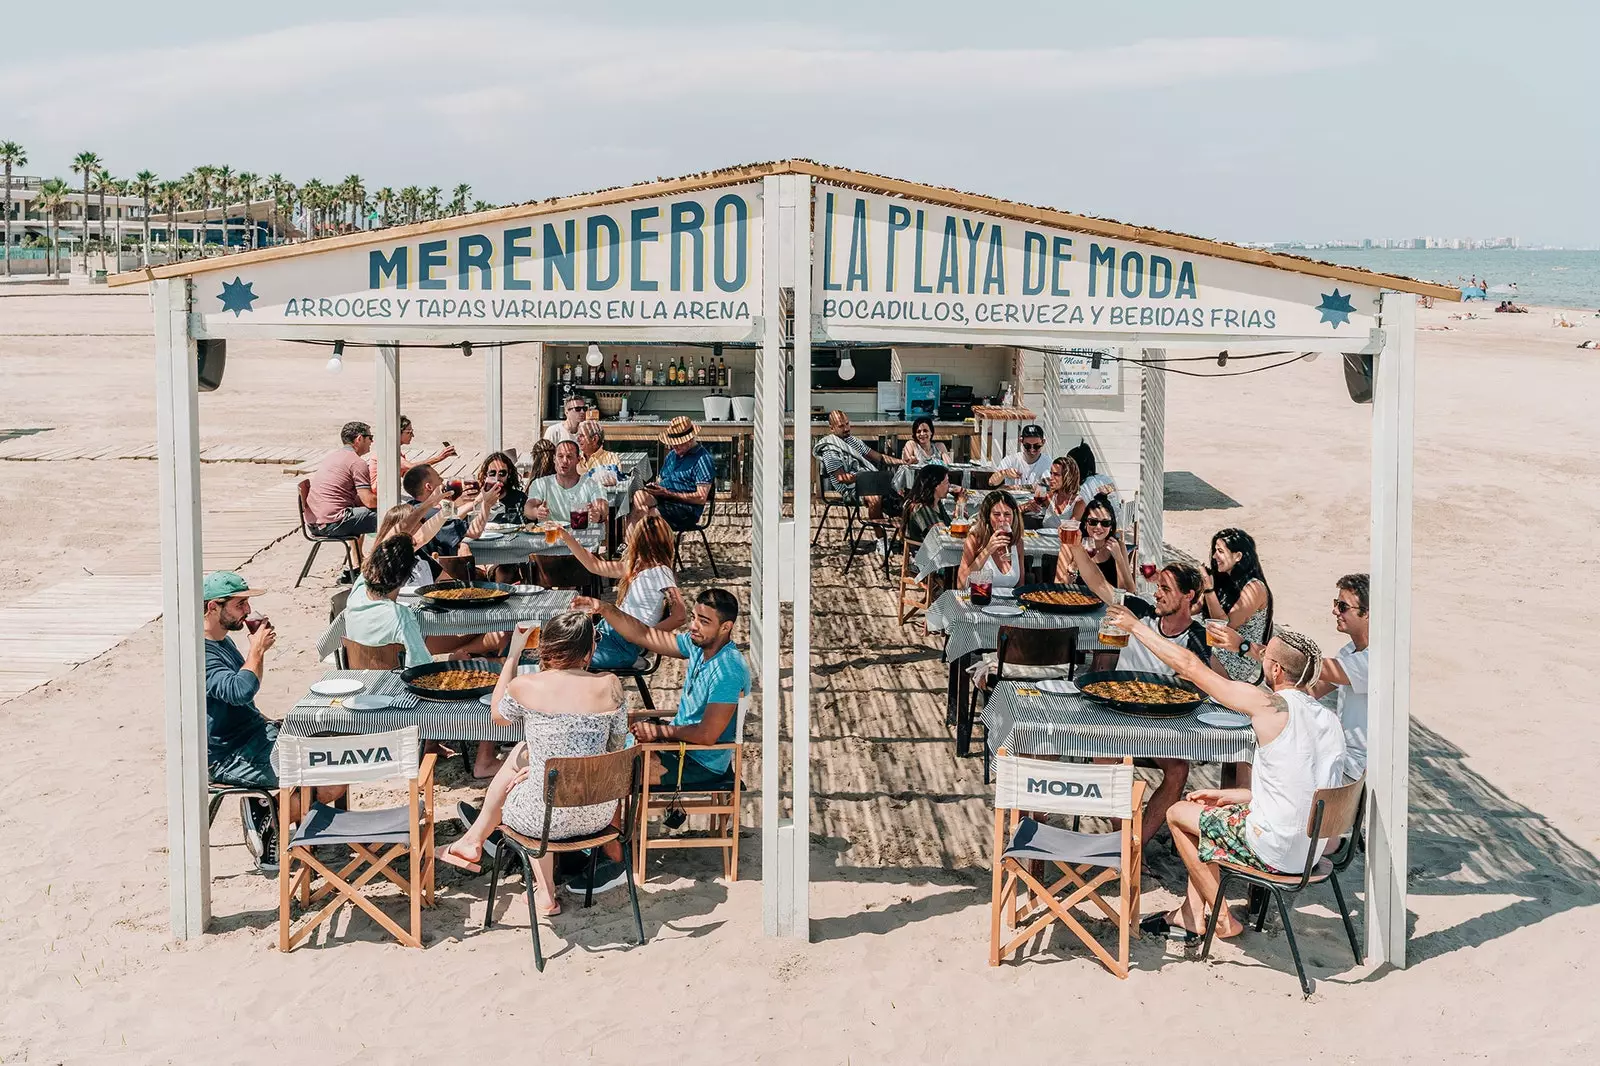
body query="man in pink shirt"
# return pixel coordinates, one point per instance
(342, 501)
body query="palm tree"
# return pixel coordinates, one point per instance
(481, 205)
(353, 191)
(411, 201)
(226, 186)
(247, 189)
(50, 202)
(171, 197)
(385, 198)
(201, 178)
(433, 196)
(87, 164)
(143, 183)
(459, 197)
(103, 181)
(12, 155)
(280, 189)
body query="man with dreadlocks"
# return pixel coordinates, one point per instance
(1299, 749)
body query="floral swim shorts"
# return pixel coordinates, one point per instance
(1222, 837)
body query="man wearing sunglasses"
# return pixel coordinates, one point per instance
(1028, 467)
(1346, 673)
(577, 408)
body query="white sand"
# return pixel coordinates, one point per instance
(1504, 877)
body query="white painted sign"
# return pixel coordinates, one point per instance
(884, 264)
(677, 264)
(1076, 374)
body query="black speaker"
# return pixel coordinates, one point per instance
(1358, 370)
(213, 360)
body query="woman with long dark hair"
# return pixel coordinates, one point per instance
(993, 551)
(925, 503)
(500, 469)
(922, 448)
(1237, 595)
(1103, 543)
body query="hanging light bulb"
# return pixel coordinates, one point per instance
(594, 357)
(336, 362)
(1222, 357)
(847, 369)
(466, 349)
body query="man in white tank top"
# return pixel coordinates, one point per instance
(1299, 749)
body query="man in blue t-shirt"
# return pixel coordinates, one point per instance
(712, 686)
(683, 487)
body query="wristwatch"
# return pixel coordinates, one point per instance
(1244, 647)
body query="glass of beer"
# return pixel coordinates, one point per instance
(1069, 532)
(982, 592)
(1112, 636)
(552, 533)
(533, 636)
(1214, 632)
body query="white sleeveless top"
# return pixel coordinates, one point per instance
(1309, 754)
(991, 573)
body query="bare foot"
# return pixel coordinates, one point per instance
(548, 908)
(461, 855)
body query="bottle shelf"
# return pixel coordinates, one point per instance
(646, 388)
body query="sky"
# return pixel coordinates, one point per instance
(1239, 121)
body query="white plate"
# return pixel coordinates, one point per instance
(503, 527)
(1224, 719)
(527, 590)
(410, 590)
(339, 686)
(367, 701)
(489, 535)
(1002, 610)
(1056, 687)
(485, 698)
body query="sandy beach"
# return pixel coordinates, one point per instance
(1504, 877)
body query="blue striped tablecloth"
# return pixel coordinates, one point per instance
(941, 551)
(1075, 726)
(435, 720)
(968, 629)
(515, 548)
(460, 621)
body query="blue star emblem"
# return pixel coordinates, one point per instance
(236, 296)
(1336, 307)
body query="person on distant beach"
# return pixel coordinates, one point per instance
(342, 502)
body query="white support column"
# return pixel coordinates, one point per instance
(766, 502)
(537, 392)
(178, 446)
(494, 391)
(386, 426)
(1152, 455)
(797, 228)
(1389, 687)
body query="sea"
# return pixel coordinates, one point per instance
(1542, 278)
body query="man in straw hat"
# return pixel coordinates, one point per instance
(682, 488)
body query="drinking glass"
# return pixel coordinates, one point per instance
(580, 518)
(1148, 570)
(1214, 634)
(982, 592)
(1112, 636)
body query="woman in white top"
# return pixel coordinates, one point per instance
(565, 711)
(922, 448)
(1062, 505)
(1299, 749)
(647, 589)
(993, 551)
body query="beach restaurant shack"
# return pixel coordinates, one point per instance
(770, 264)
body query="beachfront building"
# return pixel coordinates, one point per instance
(798, 268)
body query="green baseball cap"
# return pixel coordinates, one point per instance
(224, 585)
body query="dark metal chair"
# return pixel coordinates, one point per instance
(699, 527)
(352, 545)
(1335, 813)
(216, 793)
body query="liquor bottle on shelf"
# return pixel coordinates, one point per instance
(722, 372)
(683, 373)
(616, 374)
(700, 372)
(627, 371)
(644, 371)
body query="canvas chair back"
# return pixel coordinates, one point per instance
(362, 759)
(455, 567)
(1089, 789)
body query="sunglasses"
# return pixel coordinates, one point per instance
(1032, 447)
(1340, 606)
(1098, 522)
(498, 475)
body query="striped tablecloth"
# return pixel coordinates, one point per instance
(941, 551)
(435, 720)
(969, 629)
(459, 621)
(1074, 726)
(514, 548)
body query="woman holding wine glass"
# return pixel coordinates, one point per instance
(1098, 530)
(993, 551)
(1239, 602)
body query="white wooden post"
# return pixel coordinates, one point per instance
(537, 392)
(798, 229)
(494, 411)
(386, 426)
(766, 507)
(1389, 690)
(1152, 455)
(178, 445)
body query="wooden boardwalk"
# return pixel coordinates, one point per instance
(46, 633)
(50, 447)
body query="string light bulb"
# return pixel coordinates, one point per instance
(1222, 357)
(336, 361)
(594, 356)
(466, 349)
(847, 369)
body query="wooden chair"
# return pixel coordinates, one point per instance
(352, 545)
(456, 568)
(367, 657)
(1086, 862)
(915, 595)
(1032, 655)
(305, 763)
(614, 777)
(699, 527)
(719, 803)
(1336, 814)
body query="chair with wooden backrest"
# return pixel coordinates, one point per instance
(1336, 814)
(306, 763)
(456, 568)
(1086, 862)
(1031, 655)
(352, 545)
(583, 781)
(914, 594)
(368, 657)
(719, 802)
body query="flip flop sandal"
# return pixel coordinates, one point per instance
(1157, 925)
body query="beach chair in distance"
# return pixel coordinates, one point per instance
(1085, 862)
(576, 782)
(718, 802)
(367, 657)
(305, 763)
(1336, 814)
(352, 545)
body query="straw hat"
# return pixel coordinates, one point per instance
(680, 431)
